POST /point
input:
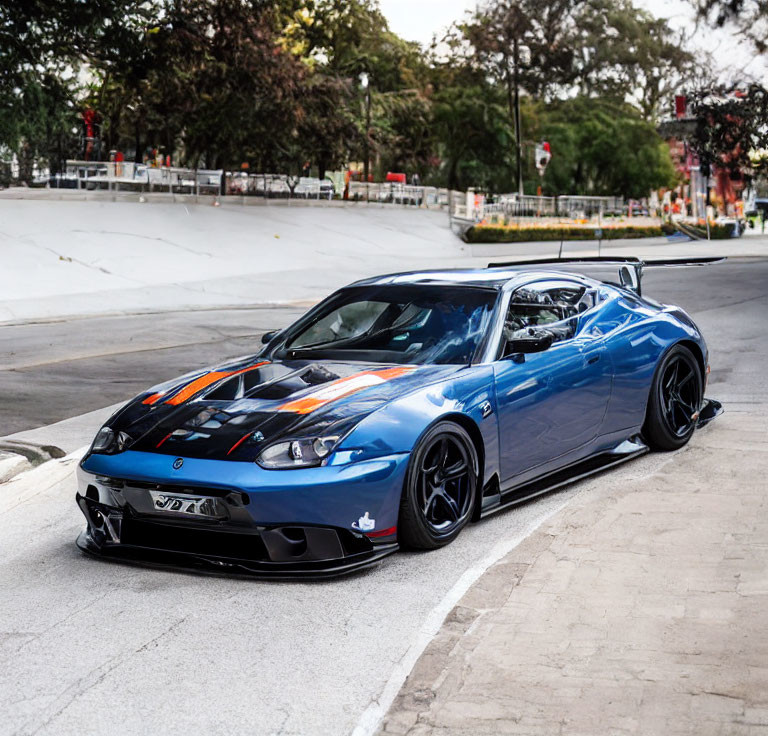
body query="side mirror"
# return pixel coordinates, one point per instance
(269, 336)
(629, 279)
(532, 344)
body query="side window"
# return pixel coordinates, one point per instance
(551, 306)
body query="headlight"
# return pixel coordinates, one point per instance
(299, 453)
(105, 438)
(107, 443)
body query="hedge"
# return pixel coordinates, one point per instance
(496, 234)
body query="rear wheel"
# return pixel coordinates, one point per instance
(675, 400)
(440, 488)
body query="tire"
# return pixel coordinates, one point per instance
(436, 506)
(674, 401)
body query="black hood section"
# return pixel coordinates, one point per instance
(242, 407)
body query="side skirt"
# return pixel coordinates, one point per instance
(577, 471)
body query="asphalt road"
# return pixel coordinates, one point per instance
(55, 370)
(51, 371)
(87, 646)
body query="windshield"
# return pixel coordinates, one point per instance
(396, 324)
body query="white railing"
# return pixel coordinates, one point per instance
(126, 175)
(467, 207)
(278, 186)
(476, 207)
(402, 194)
(281, 186)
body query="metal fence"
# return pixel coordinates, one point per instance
(280, 186)
(128, 176)
(464, 207)
(475, 207)
(579, 206)
(395, 193)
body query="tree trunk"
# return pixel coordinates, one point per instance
(452, 178)
(26, 163)
(138, 155)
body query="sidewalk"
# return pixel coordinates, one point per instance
(642, 611)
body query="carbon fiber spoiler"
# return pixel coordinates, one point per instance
(630, 267)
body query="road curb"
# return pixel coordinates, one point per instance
(17, 457)
(11, 465)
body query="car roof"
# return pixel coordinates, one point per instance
(496, 278)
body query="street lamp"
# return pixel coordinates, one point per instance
(365, 84)
(521, 55)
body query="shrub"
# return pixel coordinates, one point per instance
(490, 234)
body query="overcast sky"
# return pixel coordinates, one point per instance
(418, 20)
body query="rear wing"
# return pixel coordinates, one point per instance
(630, 268)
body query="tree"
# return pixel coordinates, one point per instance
(208, 82)
(625, 53)
(730, 130)
(603, 148)
(750, 17)
(530, 38)
(43, 46)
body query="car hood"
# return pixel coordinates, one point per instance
(234, 411)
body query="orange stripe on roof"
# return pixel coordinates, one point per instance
(336, 389)
(204, 381)
(153, 399)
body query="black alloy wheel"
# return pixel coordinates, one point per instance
(675, 400)
(440, 488)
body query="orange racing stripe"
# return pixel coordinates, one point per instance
(153, 399)
(204, 381)
(343, 387)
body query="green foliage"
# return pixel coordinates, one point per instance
(731, 128)
(625, 53)
(748, 17)
(475, 138)
(222, 82)
(603, 148)
(485, 234)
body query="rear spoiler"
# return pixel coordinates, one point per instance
(630, 267)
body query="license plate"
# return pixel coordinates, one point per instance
(187, 505)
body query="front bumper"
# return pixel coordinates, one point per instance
(275, 524)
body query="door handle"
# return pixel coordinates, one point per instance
(593, 359)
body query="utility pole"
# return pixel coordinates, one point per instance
(364, 81)
(513, 101)
(518, 137)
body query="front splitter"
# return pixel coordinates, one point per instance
(221, 566)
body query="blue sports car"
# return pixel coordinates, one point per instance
(392, 414)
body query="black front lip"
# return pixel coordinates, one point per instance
(222, 566)
(710, 409)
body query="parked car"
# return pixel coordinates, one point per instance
(391, 415)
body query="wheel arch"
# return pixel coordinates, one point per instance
(469, 424)
(473, 431)
(466, 423)
(698, 353)
(648, 430)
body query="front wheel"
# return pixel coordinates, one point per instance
(440, 488)
(675, 400)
